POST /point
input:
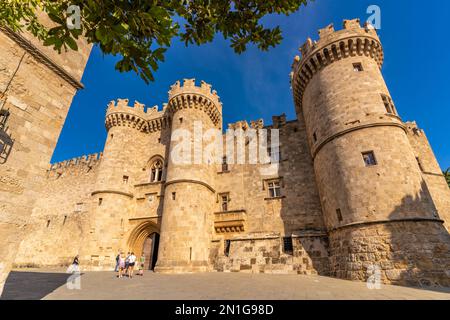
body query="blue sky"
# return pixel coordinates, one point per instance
(255, 84)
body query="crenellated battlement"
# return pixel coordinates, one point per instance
(136, 116)
(189, 87)
(352, 40)
(413, 129)
(189, 95)
(75, 165)
(243, 124)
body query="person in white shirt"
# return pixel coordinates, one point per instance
(132, 262)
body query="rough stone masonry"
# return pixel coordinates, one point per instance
(357, 191)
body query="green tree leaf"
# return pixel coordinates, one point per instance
(141, 31)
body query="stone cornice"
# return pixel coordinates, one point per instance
(191, 181)
(41, 57)
(364, 223)
(129, 195)
(315, 150)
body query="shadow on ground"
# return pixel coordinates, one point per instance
(32, 285)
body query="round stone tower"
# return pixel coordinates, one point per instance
(376, 206)
(189, 195)
(118, 172)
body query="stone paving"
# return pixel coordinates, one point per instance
(51, 285)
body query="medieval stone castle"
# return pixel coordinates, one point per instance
(356, 191)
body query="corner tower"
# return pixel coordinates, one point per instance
(376, 205)
(189, 195)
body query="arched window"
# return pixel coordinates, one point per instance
(156, 171)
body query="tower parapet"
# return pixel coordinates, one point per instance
(332, 46)
(189, 95)
(121, 114)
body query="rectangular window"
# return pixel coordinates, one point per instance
(225, 199)
(369, 158)
(174, 194)
(339, 215)
(287, 245)
(388, 104)
(274, 189)
(227, 246)
(357, 67)
(125, 179)
(100, 201)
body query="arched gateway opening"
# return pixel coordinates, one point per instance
(145, 239)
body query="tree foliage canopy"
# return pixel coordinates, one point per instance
(140, 31)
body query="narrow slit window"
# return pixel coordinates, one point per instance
(100, 201)
(369, 158)
(174, 195)
(339, 215)
(224, 164)
(315, 137)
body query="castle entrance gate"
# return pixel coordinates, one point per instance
(144, 239)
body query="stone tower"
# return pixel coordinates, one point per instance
(129, 145)
(376, 205)
(189, 195)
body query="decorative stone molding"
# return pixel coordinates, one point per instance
(363, 223)
(190, 181)
(230, 221)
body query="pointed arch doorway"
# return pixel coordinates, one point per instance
(144, 239)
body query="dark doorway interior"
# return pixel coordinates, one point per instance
(150, 250)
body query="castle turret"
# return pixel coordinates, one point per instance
(124, 157)
(376, 205)
(189, 190)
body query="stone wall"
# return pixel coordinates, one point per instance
(414, 253)
(264, 253)
(61, 222)
(37, 92)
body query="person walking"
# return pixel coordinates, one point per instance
(116, 269)
(127, 262)
(132, 262)
(141, 264)
(76, 261)
(121, 265)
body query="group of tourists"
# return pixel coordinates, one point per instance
(125, 264)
